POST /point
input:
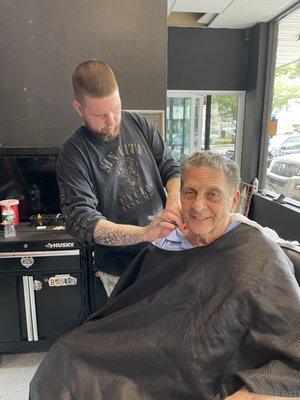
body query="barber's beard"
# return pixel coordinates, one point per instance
(104, 135)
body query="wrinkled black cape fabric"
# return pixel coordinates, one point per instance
(195, 324)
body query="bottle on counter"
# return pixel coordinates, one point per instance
(255, 185)
(8, 220)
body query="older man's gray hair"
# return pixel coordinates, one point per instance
(214, 160)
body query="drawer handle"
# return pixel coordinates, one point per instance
(37, 285)
(27, 262)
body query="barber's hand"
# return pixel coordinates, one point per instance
(161, 226)
(174, 206)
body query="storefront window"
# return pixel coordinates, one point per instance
(283, 156)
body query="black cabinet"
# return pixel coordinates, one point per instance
(42, 292)
(10, 327)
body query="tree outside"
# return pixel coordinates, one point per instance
(286, 98)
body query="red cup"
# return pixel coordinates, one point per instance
(14, 204)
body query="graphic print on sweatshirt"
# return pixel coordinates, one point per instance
(132, 188)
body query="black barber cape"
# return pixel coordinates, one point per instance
(194, 324)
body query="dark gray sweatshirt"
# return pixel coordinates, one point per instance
(122, 180)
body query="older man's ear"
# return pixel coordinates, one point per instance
(235, 201)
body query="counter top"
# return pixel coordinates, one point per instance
(28, 237)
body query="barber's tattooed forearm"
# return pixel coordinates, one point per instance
(109, 238)
(110, 234)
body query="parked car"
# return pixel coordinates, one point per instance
(283, 144)
(283, 176)
(230, 154)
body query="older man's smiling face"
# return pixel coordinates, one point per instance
(207, 199)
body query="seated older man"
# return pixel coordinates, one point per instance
(218, 319)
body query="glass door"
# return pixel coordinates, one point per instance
(205, 120)
(223, 125)
(179, 121)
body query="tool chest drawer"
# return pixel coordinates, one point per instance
(66, 260)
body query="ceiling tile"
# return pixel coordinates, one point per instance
(234, 13)
(203, 6)
(261, 7)
(238, 21)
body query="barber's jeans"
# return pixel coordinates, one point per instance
(109, 281)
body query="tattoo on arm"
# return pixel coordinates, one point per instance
(110, 234)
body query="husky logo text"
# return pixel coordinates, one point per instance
(60, 245)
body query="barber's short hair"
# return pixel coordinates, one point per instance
(93, 78)
(214, 160)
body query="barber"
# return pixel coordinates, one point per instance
(112, 174)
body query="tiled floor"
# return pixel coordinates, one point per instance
(16, 371)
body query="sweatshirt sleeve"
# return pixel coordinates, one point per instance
(77, 197)
(167, 166)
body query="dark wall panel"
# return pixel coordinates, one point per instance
(285, 220)
(207, 59)
(41, 42)
(254, 101)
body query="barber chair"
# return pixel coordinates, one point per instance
(293, 252)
